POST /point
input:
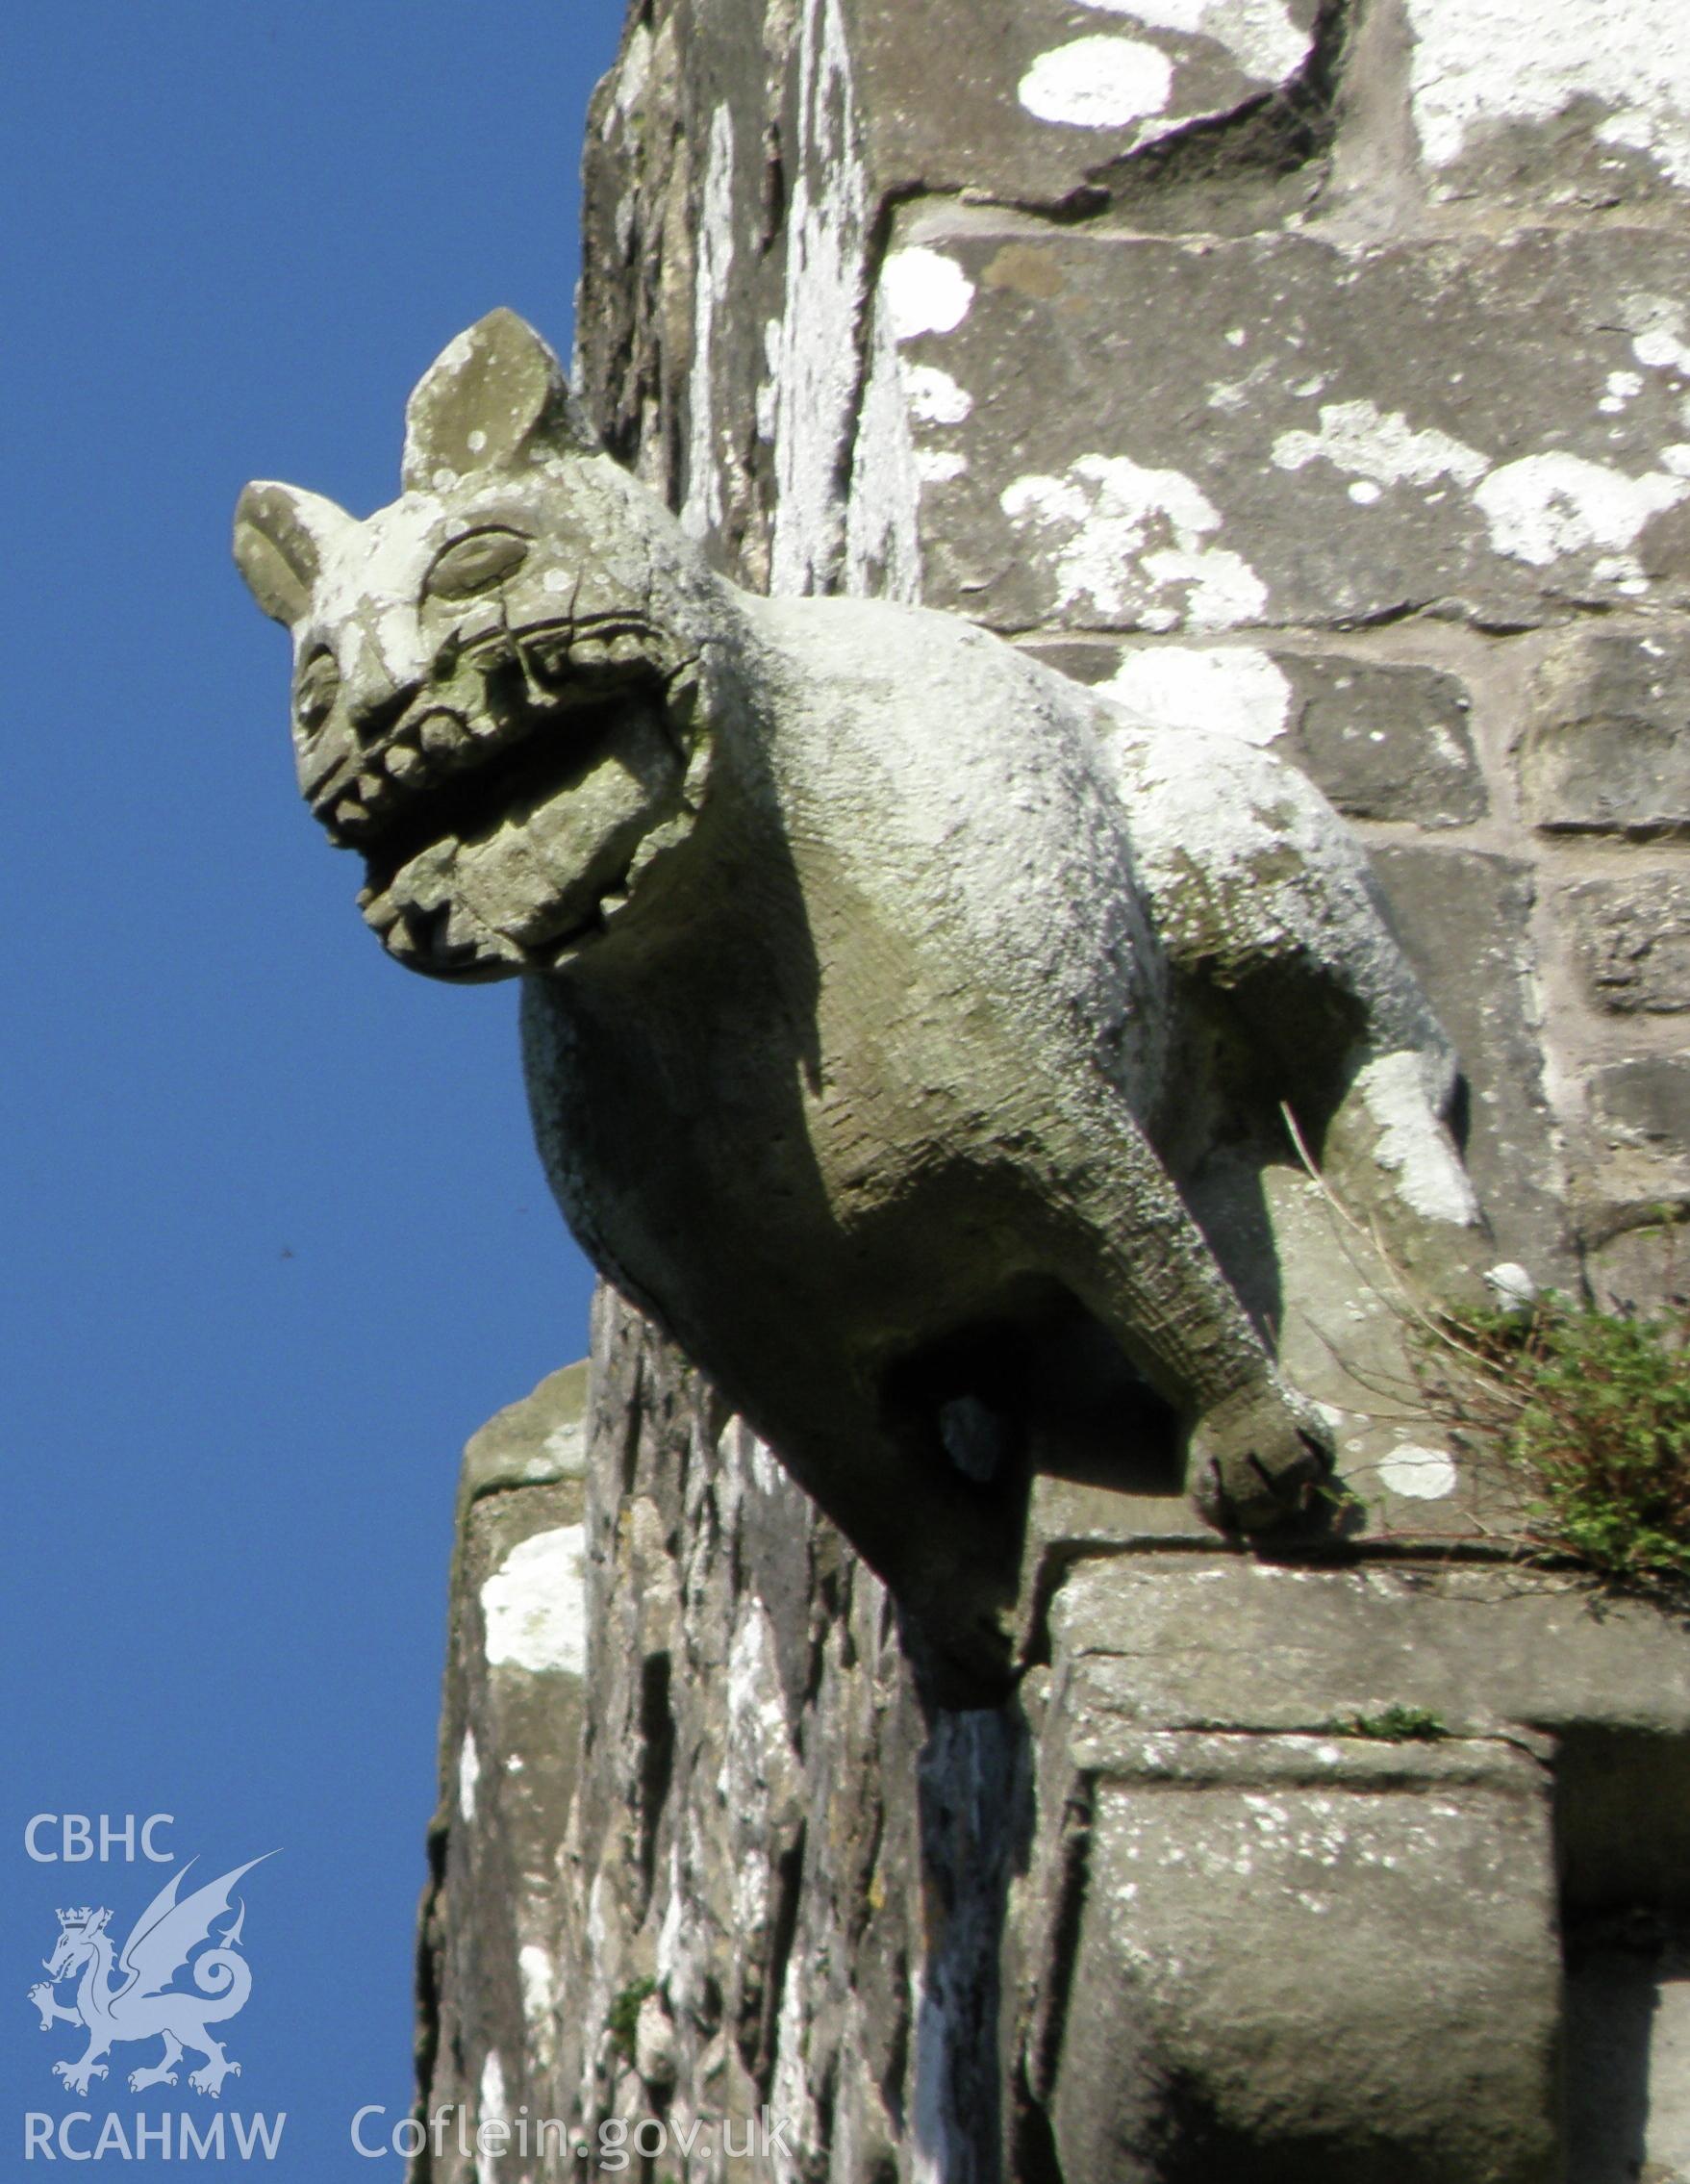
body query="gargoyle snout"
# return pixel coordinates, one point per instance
(382, 669)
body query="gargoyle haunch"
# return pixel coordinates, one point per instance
(883, 985)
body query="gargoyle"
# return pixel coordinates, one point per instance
(882, 983)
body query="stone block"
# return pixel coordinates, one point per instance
(1052, 104)
(1580, 107)
(1643, 1102)
(1386, 742)
(510, 1751)
(1608, 748)
(1381, 740)
(1463, 918)
(1323, 1960)
(1234, 1643)
(1332, 1950)
(1638, 1266)
(1632, 940)
(1122, 432)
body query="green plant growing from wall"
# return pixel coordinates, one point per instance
(1396, 1725)
(624, 2016)
(1592, 1408)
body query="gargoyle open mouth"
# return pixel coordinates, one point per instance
(518, 712)
(497, 809)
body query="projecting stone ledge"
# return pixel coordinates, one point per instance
(1270, 1872)
(1311, 1846)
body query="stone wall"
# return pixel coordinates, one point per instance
(1323, 374)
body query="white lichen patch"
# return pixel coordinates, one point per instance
(701, 510)
(1412, 1142)
(537, 1976)
(923, 291)
(1421, 1474)
(565, 1449)
(632, 75)
(1380, 448)
(493, 2110)
(1259, 33)
(1133, 545)
(1098, 83)
(1544, 507)
(934, 396)
(1527, 61)
(1538, 509)
(1232, 690)
(468, 1776)
(535, 1605)
(938, 466)
(816, 363)
(883, 554)
(1512, 1285)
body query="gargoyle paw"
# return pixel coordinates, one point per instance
(1257, 1457)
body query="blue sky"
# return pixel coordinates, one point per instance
(276, 1240)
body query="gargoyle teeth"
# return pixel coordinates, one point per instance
(349, 814)
(380, 911)
(367, 787)
(683, 695)
(402, 762)
(441, 732)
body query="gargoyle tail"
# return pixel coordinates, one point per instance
(227, 1974)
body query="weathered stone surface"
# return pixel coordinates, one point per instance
(1069, 106)
(1382, 741)
(1386, 742)
(490, 1975)
(1282, 431)
(1639, 1267)
(1464, 921)
(1608, 749)
(1215, 1812)
(1486, 1651)
(779, 1886)
(1551, 104)
(1642, 1109)
(1224, 1643)
(1260, 1911)
(1633, 937)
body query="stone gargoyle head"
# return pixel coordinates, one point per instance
(496, 676)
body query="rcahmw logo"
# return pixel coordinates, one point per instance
(126, 1996)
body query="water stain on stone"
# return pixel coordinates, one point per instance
(1029, 272)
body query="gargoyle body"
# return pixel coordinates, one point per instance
(886, 991)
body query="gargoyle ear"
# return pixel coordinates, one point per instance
(495, 398)
(281, 536)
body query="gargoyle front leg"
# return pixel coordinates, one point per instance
(1138, 1262)
(53, 2011)
(1389, 1154)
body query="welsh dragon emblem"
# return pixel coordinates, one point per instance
(134, 2000)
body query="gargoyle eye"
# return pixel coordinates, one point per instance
(474, 563)
(316, 691)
